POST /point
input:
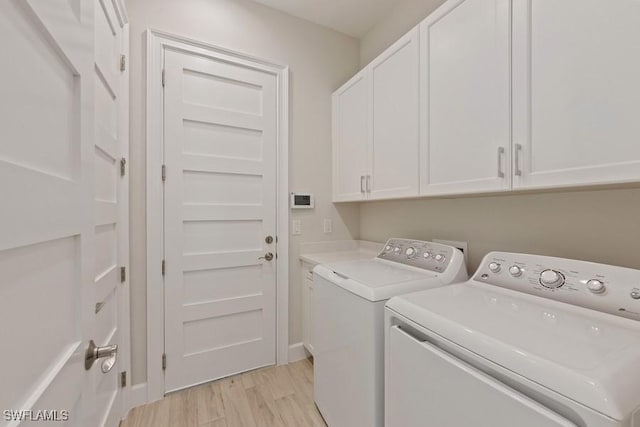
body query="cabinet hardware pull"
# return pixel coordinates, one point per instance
(362, 183)
(500, 153)
(368, 183)
(518, 171)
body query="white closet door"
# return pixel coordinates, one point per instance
(351, 138)
(576, 92)
(111, 204)
(394, 158)
(465, 105)
(220, 206)
(46, 219)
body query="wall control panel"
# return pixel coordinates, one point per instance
(611, 289)
(418, 253)
(302, 201)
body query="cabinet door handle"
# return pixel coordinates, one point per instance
(362, 183)
(500, 154)
(518, 171)
(368, 183)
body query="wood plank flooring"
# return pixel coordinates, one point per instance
(274, 396)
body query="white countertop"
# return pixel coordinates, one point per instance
(337, 251)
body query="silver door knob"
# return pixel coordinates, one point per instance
(268, 256)
(94, 353)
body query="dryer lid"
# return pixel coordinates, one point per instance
(585, 355)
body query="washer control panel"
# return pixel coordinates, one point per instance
(601, 287)
(418, 253)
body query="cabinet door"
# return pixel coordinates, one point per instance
(576, 92)
(350, 138)
(394, 161)
(464, 83)
(310, 317)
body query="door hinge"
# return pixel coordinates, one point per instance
(123, 379)
(123, 164)
(163, 267)
(164, 173)
(162, 78)
(123, 274)
(164, 361)
(123, 62)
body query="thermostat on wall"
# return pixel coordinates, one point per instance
(301, 201)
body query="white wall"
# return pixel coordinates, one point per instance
(320, 60)
(600, 226)
(405, 15)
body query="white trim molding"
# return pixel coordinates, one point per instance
(297, 352)
(157, 42)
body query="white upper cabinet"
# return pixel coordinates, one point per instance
(394, 158)
(464, 91)
(351, 138)
(576, 92)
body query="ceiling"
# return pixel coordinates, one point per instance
(352, 17)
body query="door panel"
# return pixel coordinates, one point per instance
(46, 238)
(394, 103)
(575, 91)
(220, 192)
(110, 204)
(351, 138)
(424, 381)
(465, 97)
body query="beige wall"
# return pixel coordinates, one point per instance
(600, 226)
(320, 60)
(406, 15)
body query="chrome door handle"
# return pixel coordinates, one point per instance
(362, 183)
(500, 154)
(94, 353)
(518, 171)
(268, 256)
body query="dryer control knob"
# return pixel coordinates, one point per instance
(551, 279)
(439, 258)
(515, 271)
(426, 255)
(388, 248)
(596, 286)
(495, 267)
(410, 252)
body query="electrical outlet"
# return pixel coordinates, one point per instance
(327, 226)
(296, 227)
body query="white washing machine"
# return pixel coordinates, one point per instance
(529, 341)
(349, 300)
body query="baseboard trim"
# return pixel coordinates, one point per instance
(137, 395)
(297, 352)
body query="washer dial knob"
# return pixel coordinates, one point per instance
(596, 286)
(426, 255)
(439, 258)
(494, 267)
(551, 279)
(410, 252)
(515, 271)
(396, 250)
(388, 248)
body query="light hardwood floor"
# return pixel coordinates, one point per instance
(274, 396)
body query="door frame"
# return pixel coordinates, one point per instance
(157, 42)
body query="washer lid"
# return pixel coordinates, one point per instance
(377, 280)
(588, 356)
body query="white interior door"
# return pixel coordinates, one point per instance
(576, 92)
(395, 147)
(46, 219)
(220, 206)
(465, 129)
(111, 204)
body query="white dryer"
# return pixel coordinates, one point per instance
(349, 300)
(529, 341)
